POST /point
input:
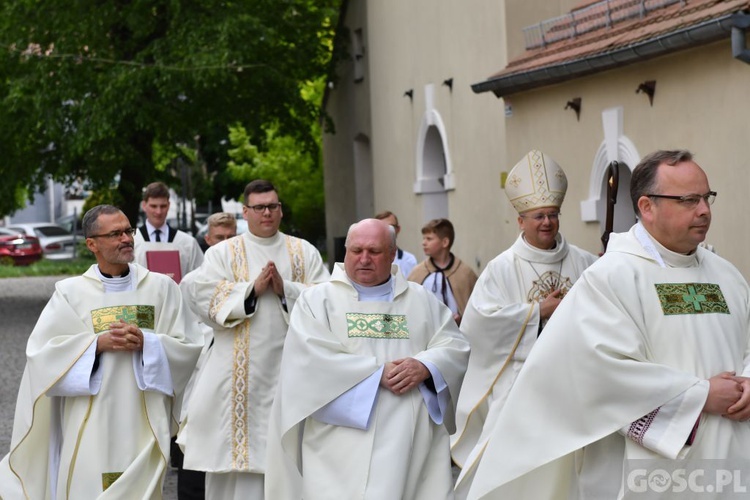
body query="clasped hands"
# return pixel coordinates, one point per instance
(269, 279)
(402, 375)
(120, 337)
(729, 396)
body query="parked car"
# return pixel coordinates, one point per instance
(56, 241)
(201, 234)
(72, 223)
(19, 248)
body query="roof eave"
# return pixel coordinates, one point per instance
(693, 36)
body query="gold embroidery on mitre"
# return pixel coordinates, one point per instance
(108, 478)
(142, 316)
(377, 326)
(691, 298)
(296, 258)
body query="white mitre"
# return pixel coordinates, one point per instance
(536, 181)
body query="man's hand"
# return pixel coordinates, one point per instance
(549, 304)
(402, 375)
(269, 279)
(120, 337)
(723, 393)
(740, 411)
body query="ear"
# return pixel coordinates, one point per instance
(91, 245)
(646, 208)
(445, 242)
(143, 205)
(520, 222)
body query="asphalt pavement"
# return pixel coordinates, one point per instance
(21, 301)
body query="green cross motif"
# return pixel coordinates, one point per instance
(693, 298)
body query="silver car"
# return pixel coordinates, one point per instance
(56, 241)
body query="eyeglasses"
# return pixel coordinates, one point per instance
(688, 200)
(115, 235)
(259, 209)
(554, 216)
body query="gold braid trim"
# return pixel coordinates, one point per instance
(240, 272)
(296, 258)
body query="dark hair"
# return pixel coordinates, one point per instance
(259, 186)
(90, 224)
(385, 215)
(643, 179)
(155, 190)
(442, 227)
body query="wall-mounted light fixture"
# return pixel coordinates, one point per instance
(648, 88)
(449, 83)
(410, 94)
(575, 105)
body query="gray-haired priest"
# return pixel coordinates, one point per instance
(106, 365)
(371, 369)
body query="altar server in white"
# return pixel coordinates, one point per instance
(245, 290)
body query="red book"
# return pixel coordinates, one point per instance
(165, 262)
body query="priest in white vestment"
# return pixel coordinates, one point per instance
(371, 369)
(516, 294)
(156, 235)
(646, 358)
(245, 290)
(106, 364)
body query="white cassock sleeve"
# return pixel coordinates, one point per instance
(151, 366)
(80, 380)
(667, 429)
(354, 408)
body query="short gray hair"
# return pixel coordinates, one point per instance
(90, 224)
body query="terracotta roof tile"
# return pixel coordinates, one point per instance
(621, 34)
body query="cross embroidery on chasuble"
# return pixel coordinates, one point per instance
(377, 326)
(691, 298)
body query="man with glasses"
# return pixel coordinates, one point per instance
(645, 361)
(515, 296)
(106, 364)
(156, 235)
(245, 290)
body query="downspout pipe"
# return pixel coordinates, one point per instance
(699, 34)
(741, 23)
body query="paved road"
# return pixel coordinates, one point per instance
(21, 301)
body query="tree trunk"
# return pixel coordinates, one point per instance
(137, 174)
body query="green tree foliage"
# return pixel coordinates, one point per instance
(103, 89)
(293, 170)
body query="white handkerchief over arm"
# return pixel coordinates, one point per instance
(437, 402)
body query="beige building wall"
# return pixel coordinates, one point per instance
(416, 46)
(700, 104)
